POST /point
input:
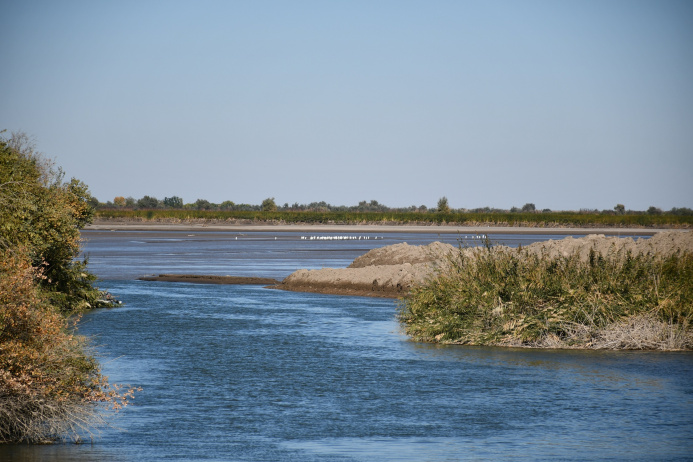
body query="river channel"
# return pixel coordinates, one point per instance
(245, 373)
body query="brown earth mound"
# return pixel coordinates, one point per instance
(392, 270)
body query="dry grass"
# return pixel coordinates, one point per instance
(41, 421)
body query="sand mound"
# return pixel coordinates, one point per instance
(392, 270)
(398, 254)
(385, 272)
(371, 281)
(663, 243)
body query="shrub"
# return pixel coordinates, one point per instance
(49, 385)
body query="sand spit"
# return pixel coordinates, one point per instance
(203, 279)
(392, 270)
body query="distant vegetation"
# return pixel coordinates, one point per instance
(494, 296)
(50, 385)
(173, 208)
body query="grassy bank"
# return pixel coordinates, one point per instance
(539, 220)
(500, 296)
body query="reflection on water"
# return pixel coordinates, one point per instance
(246, 373)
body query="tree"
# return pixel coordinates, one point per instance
(528, 207)
(203, 204)
(443, 206)
(654, 211)
(148, 202)
(227, 205)
(268, 205)
(119, 201)
(173, 202)
(681, 211)
(620, 209)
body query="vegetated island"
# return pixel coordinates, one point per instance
(592, 292)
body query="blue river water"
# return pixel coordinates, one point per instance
(248, 373)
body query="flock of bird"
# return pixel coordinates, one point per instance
(355, 238)
(336, 238)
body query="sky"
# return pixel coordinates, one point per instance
(564, 104)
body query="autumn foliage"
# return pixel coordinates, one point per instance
(51, 386)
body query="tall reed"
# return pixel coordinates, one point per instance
(500, 296)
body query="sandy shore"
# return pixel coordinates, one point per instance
(113, 225)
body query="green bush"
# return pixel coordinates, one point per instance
(42, 213)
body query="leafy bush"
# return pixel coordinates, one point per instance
(50, 385)
(41, 212)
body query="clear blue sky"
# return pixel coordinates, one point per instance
(565, 104)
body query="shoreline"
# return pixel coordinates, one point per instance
(121, 225)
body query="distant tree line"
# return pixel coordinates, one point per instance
(269, 205)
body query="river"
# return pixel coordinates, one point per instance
(248, 373)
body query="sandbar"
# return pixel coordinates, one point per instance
(207, 279)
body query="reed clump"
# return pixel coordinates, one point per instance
(513, 297)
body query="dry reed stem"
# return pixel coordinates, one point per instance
(639, 332)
